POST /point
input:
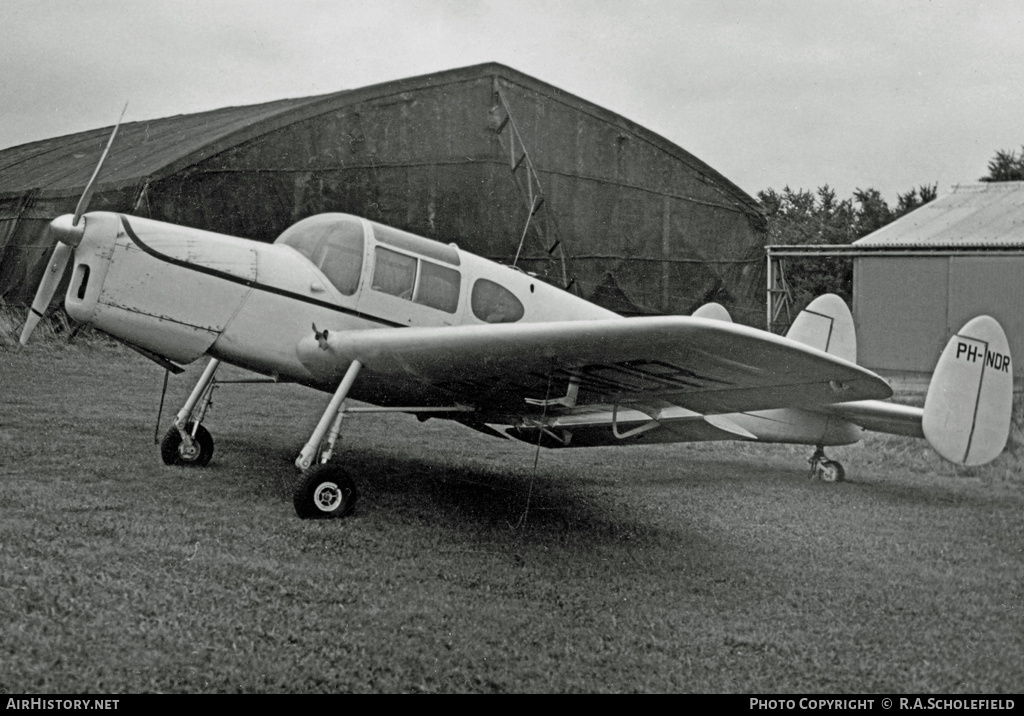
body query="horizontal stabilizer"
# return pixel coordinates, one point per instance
(970, 399)
(882, 416)
(722, 422)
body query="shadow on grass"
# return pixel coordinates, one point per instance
(556, 506)
(473, 497)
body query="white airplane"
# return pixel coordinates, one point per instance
(371, 313)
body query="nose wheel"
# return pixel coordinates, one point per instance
(824, 469)
(188, 443)
(194, 448)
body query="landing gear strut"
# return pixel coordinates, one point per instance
(326, 490)
(824, 469)
(188, 443)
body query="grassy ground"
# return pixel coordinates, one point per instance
(709, 568)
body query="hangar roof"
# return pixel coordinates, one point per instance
(984, 214)
(153, 149)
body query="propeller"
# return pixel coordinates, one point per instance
(66, 230)
(47, 287)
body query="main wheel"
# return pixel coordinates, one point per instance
(326, 491)
(831, 471)
(173, 450)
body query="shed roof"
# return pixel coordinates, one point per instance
(153, 149)
(983, 214)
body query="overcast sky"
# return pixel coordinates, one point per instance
(874, 93)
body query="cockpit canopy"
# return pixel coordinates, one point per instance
(403, 265)
(334, 243)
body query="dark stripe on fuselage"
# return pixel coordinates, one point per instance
(246, 282)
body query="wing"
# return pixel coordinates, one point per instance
(699, 364)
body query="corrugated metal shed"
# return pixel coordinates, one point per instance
(639, 223)
(963, 257)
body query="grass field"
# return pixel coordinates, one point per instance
(706, 568)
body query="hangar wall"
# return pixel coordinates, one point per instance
(631, 218)
(642, 225)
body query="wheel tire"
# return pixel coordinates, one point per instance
(171, 451)
(326, 491)
(831, 471)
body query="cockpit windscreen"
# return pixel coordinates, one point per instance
(334, 243)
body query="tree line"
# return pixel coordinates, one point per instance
(799, 217)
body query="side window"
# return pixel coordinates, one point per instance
(394, 273)
(438, 287)
(494, 303)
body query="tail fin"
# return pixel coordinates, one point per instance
(713, 310)
(970, 399)
(826, 324)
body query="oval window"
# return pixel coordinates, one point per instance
(494, 303)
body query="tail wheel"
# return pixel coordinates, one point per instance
(325, 491)
(174, 450)
(831, 471)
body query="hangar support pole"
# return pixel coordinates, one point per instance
(778, 298)
(527, 181)
(666, 252)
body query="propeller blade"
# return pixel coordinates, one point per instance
(47, 287)
(67, 238)
(83, 203)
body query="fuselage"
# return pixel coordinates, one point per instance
(181, 293)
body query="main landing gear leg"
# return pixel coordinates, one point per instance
(824, 469)
(326, 490)
(188, 443)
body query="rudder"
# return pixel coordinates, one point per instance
(970, 398)
(826, 324)
(713, 310)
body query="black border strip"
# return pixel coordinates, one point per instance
(246, 282)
